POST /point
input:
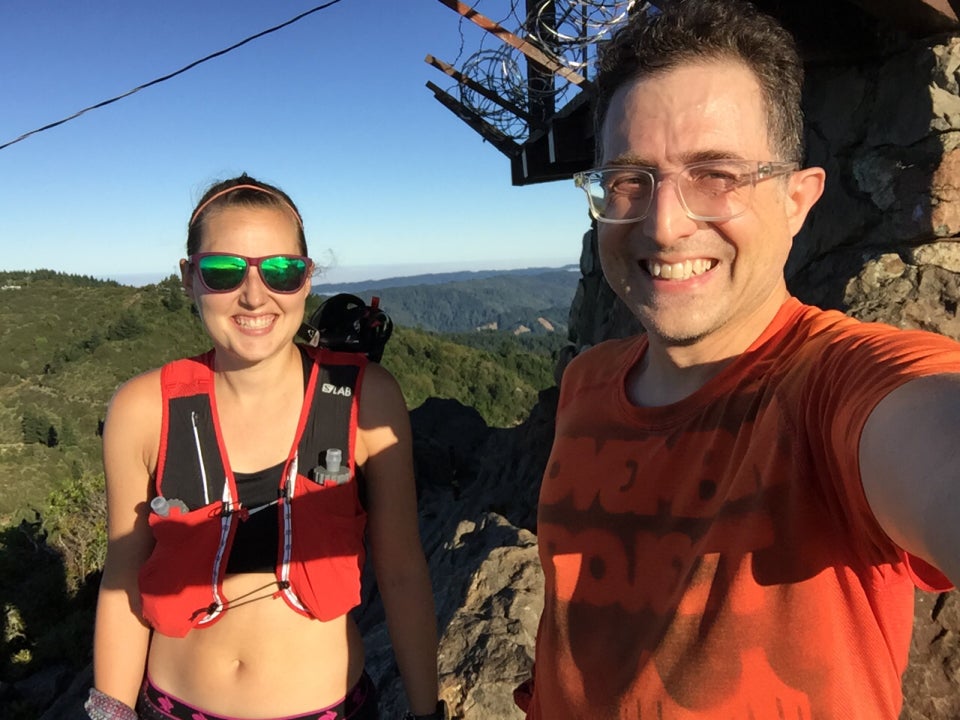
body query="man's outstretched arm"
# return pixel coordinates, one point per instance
(910, 468)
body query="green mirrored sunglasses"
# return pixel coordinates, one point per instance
(222, 272)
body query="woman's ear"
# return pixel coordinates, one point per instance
(186, 277)
(804, 188)
(308, 285)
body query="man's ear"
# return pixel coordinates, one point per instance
(804, 188)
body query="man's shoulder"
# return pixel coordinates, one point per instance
(830, 344)
(834, 327)
(600, 367)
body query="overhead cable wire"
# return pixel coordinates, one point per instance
(182, 70)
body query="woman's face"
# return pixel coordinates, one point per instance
(251, 323)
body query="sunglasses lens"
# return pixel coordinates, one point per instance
(283, 273)
(221, 273)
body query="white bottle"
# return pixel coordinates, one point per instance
(333, 469)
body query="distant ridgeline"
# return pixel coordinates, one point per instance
(533, 300)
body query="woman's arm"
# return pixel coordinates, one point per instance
(130, 442)
(402, 577)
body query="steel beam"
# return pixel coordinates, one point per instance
(487, 131)
(532, 52)
(478, 88)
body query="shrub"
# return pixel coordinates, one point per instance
(76, 524)
(37, 428)
(127, 326)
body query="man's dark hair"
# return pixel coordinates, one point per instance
(686, 31)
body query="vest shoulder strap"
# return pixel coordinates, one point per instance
(190, 467)
(187, 376)
(334, 412)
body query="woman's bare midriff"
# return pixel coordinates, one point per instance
(260, 659)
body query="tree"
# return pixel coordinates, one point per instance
(171, 293)
(127, 326)
(36, 427)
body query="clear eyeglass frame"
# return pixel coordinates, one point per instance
(594, 182)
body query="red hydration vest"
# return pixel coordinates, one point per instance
(321, 522)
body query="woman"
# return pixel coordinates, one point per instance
(235, 536)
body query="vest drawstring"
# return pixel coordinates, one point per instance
(209, 610)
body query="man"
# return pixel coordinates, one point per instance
(738, 503)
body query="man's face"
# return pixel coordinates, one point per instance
(691, 282)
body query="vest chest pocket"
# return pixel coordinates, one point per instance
(177, 582)
(326, 545)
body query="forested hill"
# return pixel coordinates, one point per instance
(67, 342)
(517, 301)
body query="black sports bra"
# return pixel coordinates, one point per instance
(256, 541)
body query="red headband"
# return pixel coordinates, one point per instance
(213, 197)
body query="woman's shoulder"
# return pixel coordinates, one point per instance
(376, 375)
(147, 386)
(131, 431)
(380, 391)
(138, 397)
(383, 416)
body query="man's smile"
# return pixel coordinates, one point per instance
(679, 270)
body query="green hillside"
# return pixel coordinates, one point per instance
(501, 385)
(68, 342)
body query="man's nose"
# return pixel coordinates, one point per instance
(667, 218)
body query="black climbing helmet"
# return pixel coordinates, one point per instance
(345, 322)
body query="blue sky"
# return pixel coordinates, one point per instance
(333, 109)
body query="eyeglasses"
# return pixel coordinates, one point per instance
(712, 190)
(221, 272)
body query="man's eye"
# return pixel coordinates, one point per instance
(628, 184)
(716, 178)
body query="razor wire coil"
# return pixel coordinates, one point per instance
(568, 31)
